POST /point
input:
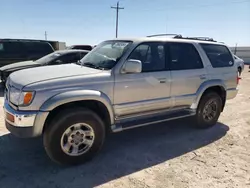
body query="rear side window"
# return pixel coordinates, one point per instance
(218, 55)
(184, 56)
(82, 47)
(11, 50)
(38, 48)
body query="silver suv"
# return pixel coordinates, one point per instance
(121, 84)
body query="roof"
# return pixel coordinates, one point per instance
(168, 39)
(26, 40)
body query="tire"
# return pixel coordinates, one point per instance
(239, 70)
(203, 122)
(54, 136)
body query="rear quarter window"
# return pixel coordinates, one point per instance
(219, 55)
(11, 50)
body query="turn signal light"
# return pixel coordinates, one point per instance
(10, 117)
(27, 98)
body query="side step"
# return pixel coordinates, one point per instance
(130, 123)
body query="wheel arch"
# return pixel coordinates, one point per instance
(210, 86)
(93, 100)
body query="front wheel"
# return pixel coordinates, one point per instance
(208, 110)
(74, 136)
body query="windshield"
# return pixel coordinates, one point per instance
(106, 55)
(48, 58)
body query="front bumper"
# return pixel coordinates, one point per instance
(24, 123)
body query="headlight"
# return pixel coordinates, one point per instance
(21, 98)
(14, 95)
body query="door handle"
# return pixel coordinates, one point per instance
(162, 80)
(203, 77)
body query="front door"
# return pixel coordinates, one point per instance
(145, 91)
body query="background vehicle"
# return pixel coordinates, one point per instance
(81, 47)
(121, 84)
(240, 64)
(55, 58)
(14, 50)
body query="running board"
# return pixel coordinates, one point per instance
(130, 123)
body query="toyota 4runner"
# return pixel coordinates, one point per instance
(121, 84)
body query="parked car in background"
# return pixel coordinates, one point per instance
(240, 64)
(55, 58)
(81, 47)
(121, 84)
(15, 50)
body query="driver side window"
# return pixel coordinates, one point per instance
(151, 55)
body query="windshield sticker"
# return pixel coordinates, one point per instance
(120, 44)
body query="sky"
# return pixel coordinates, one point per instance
(92, 21)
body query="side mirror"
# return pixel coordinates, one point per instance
(132, 66)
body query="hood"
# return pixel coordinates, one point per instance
(19, 65)
(30, 76)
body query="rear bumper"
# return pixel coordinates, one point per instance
(231, 93)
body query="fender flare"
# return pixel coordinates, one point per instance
(78, 95)
(203, 87)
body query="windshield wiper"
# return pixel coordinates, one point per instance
(92, 65)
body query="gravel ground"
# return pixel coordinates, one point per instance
(165, 155)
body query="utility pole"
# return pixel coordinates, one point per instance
(45, 34)
(117, 17)
(235, 50)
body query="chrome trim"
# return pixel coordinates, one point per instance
(118, 128)
(149, 113)
(21, 118)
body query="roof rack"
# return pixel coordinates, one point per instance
(160, 35)
(199, 38)
(178, 36)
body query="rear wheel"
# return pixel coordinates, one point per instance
(208, 110)
(239, 70)
(74, 136)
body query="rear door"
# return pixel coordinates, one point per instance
(187, 73)
(222, 64)
(11, 52)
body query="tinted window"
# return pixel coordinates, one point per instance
(67, 58)
(37, 49)
(152, 56)
(11, 50)
(218, 55)
(82, 47)
(82, 54)
(184, 56)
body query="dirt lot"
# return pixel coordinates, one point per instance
(166, 155)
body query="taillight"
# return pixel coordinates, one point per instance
(238, 79)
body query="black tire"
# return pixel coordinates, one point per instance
(200, 121)
(239, 70)
(56, 128)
